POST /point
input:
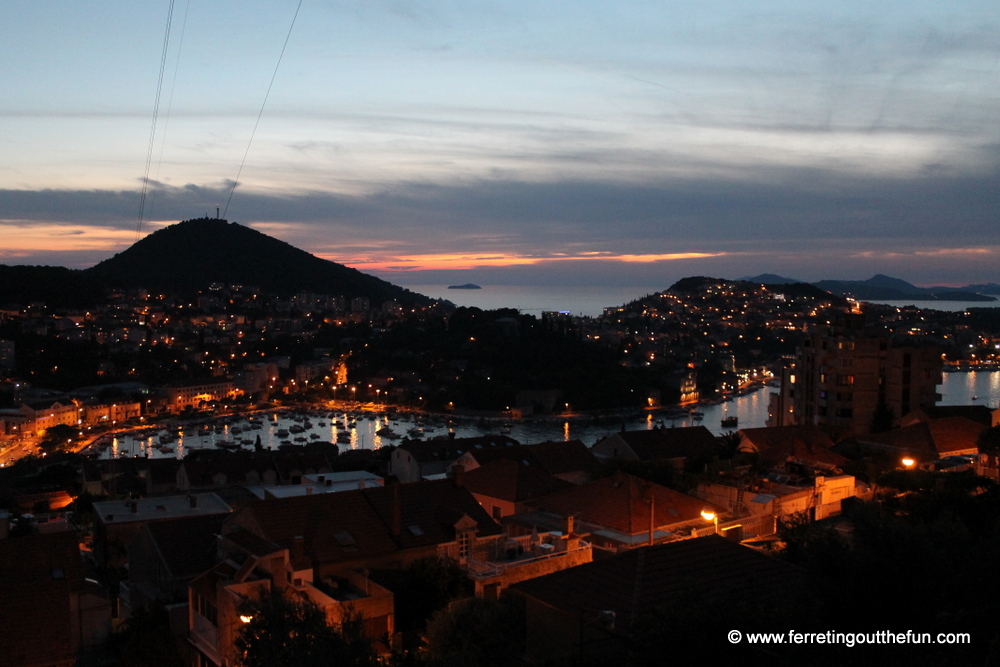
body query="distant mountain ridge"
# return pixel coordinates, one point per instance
(886, 288)
(189, 256)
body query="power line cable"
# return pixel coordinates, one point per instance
(170, 102)
(261, 113)
(156, 111)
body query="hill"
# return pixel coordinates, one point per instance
(188, 256)
(884, 288)
(769, 279)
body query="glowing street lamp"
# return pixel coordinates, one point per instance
(908, 462)
(709, 515)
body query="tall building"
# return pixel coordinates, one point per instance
(849, 377)
(6, 356)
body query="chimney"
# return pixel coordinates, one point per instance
(309, 490)
(458, 475)
(570, 520)
(193, 501)
(298, 548)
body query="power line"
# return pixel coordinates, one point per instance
(170, 101)
(261, 113)
(152, 131)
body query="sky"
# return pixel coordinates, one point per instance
(510, 142)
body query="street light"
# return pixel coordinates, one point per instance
(709, 514)
(908, 462)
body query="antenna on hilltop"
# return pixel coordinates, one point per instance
(216, 211)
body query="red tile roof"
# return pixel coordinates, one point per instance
(511, 481)
(186, 545)
(336, 526)
(933, 438)
(669, 443)
(556, 458)
(777, 444)
(365, 522)
(621, 503)
(634, 583)
(449, 449)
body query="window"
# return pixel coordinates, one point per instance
(464, 539)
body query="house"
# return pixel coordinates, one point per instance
(191, 394)
(593, 613)
(39, 416)
(505, 487)
(414, 460)
(387, 527)
(569, 460)
(779, 445)
(777, 496)
(930, 440)
(329, 482)
(249, 567)
(615, 513)
(48, 611)
(671, 445)
(209, 469)
(118, 522)
(494, 567)
(978, 413)
(322, 546)
(166, 555)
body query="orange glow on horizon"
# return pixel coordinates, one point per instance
(471, 261)
(22, 239)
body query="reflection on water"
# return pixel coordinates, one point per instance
(977, 388)
(370, 430)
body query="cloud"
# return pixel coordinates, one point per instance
(945, 213)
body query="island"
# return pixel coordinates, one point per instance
(465, 286)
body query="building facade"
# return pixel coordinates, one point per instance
(849, 378)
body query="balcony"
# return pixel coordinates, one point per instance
(525, 558)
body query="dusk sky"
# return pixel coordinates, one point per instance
(602, 143)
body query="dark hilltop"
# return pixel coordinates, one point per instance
(188, 257)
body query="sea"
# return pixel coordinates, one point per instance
(591, 301)
(949, 306)
(374, 428)
(534, 299)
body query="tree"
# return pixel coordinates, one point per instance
(57, 437)
(146, 641)
(883, 418)
(476, 632)
(989, 440)
(290, 630)
(428, 585)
